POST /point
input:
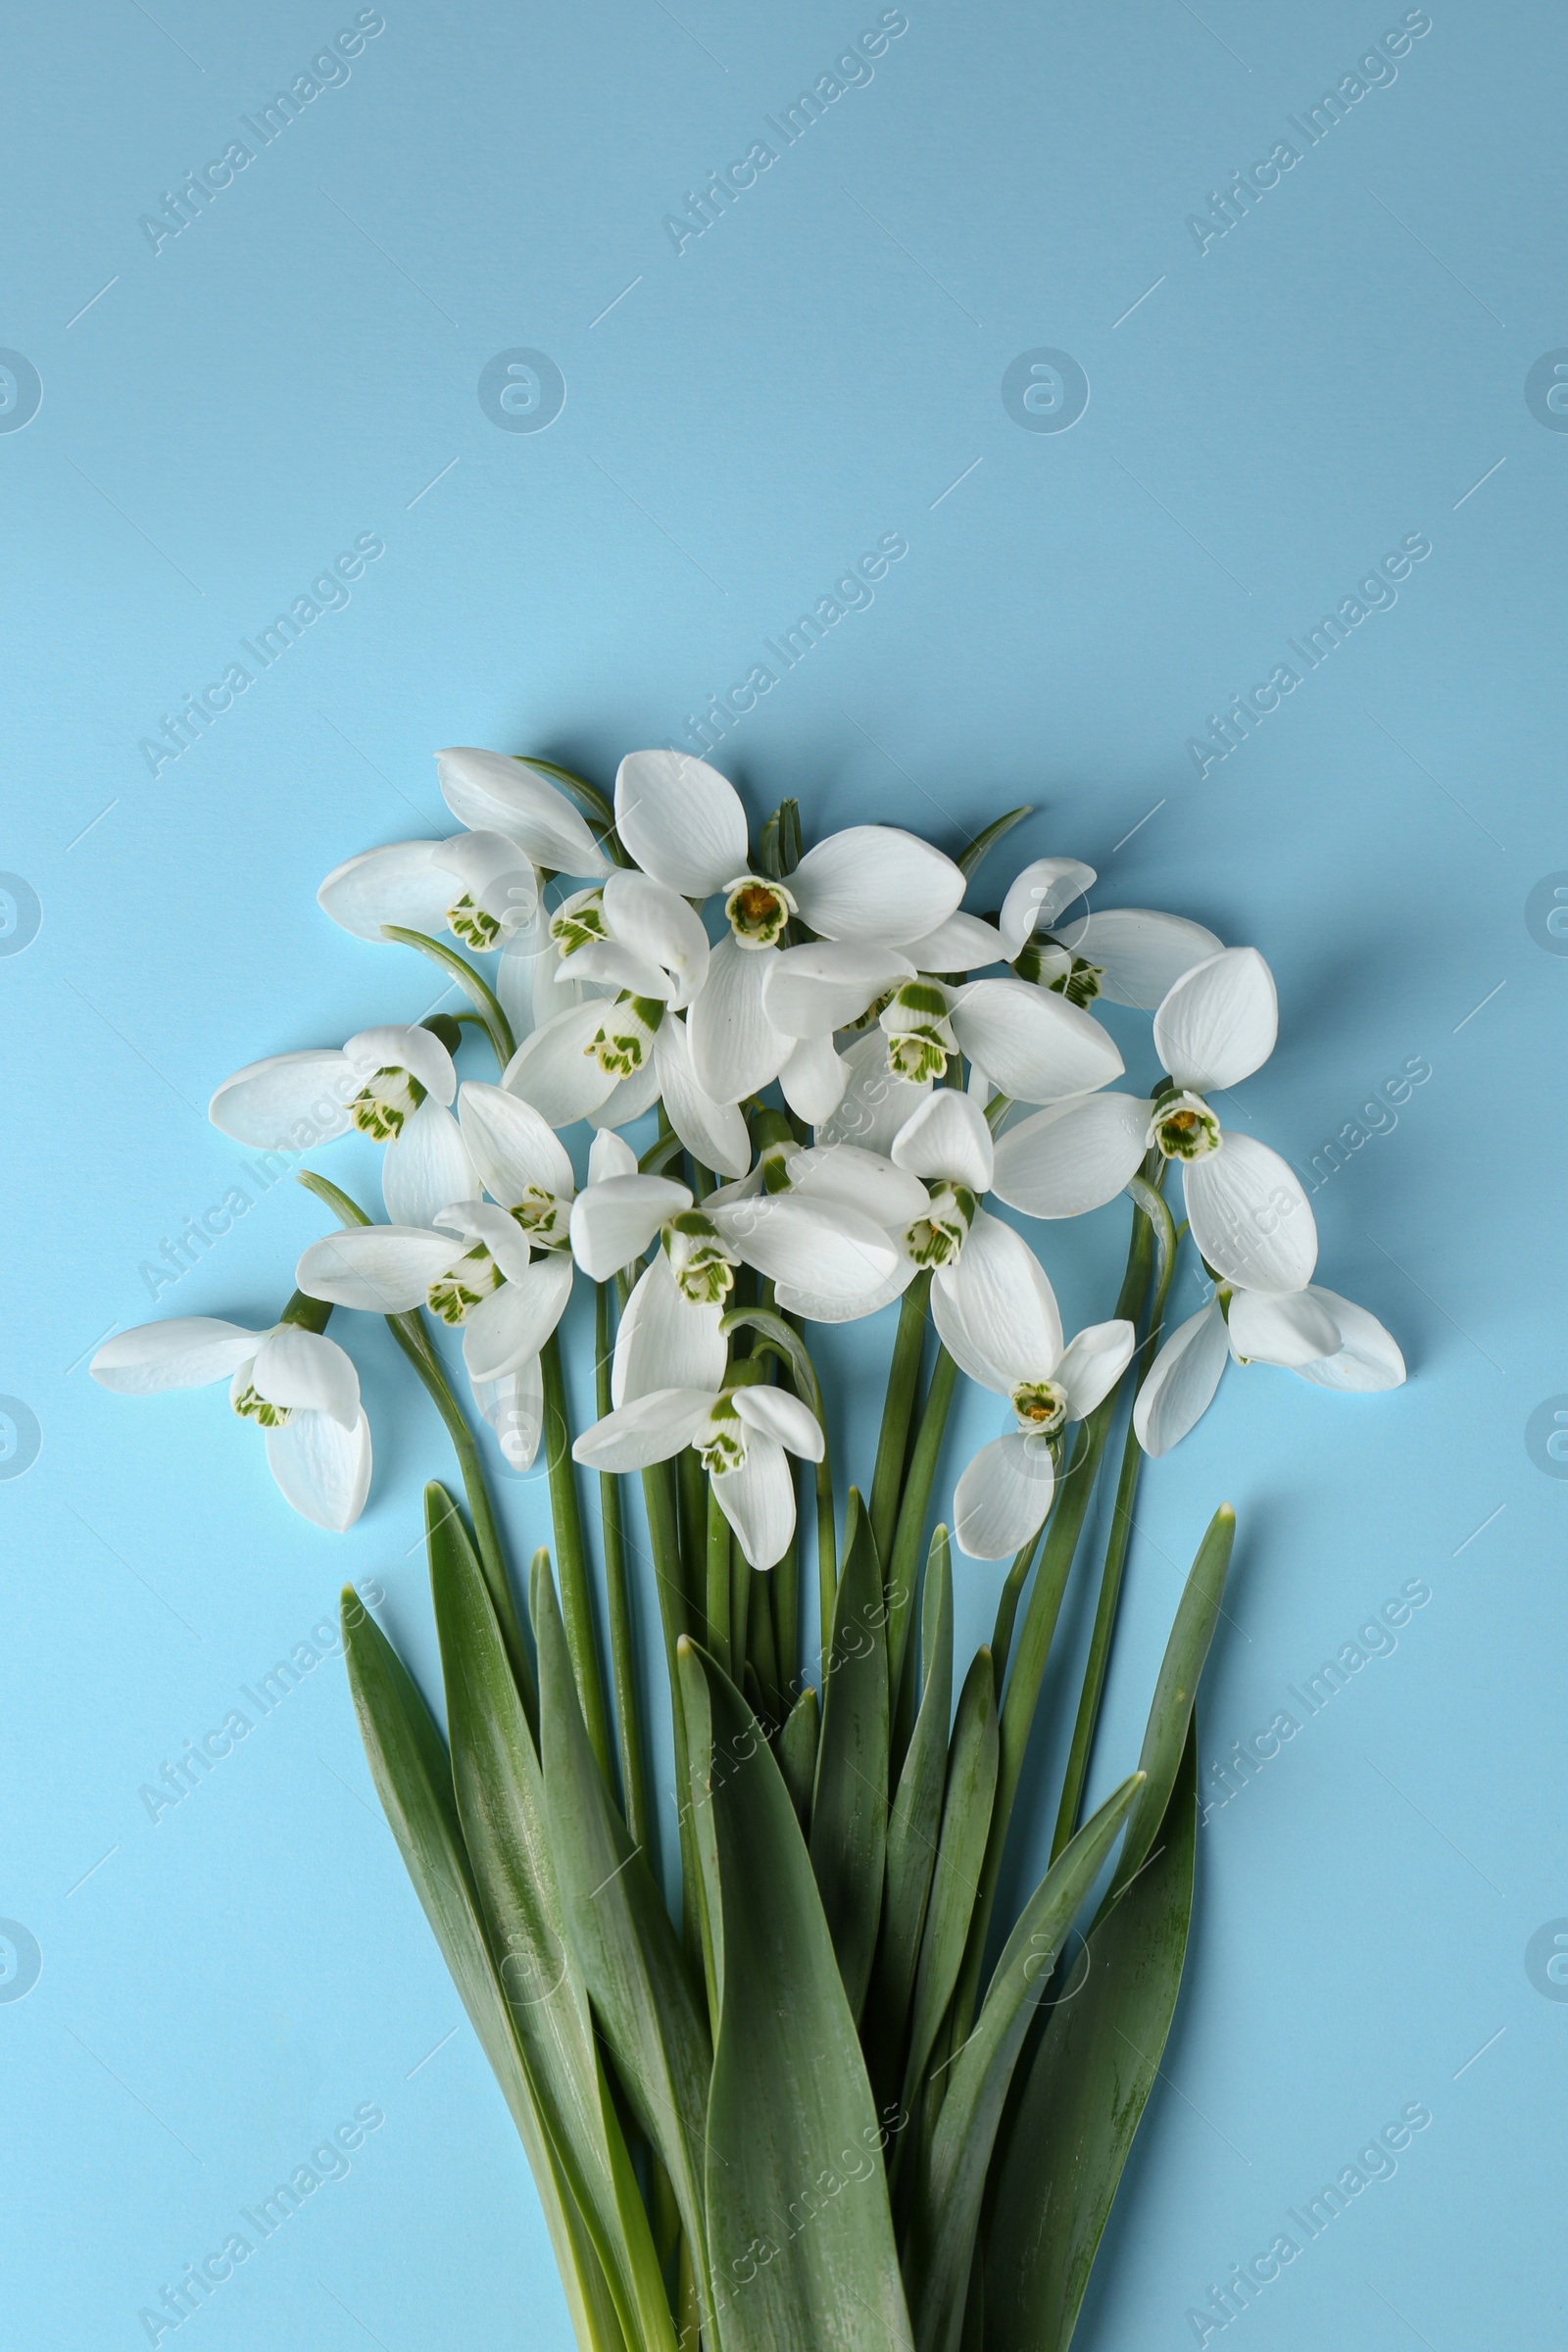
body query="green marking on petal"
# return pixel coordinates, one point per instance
(936, 1239)
(1184, 1128)
(385, 1103)
(580, 920)
(759, 911)
(544, 1219)
(916, 1054)
(454, 1294)
(1040, 1406)
(702, 1262)
(721, 1441)
(260, 1409)
(472, 924)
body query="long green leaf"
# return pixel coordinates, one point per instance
(620, 1932)
(796, 1753)
(968, 859)
(1175, 1688)
(951, 2175)
(1086, 2092)
(972, 1785)
(413, 1777)
(500, 1794)
(799, 2232)
(850, 1804)
(912, 1831)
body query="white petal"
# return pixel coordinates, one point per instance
(681, 820)
(666, 1340)
(999, 1299)
(322, 1468)
(812, 1080)
(735, 1048)
(657, 924)
(512, 1148)
(758, 1501)
(1182, 1380)
(514, 1323)
(1141, 954)
(628, 1098)
(1249, 1216)
(812, 991)
(875, 882)
(962, 944)
(305, 1368)
(615, 965)
(380, 1269)
(1094, 1363)
(526, 969)
(1367, 1359)
(190, 1351)
(556, 1070)
(1032, 1042)
(428, 1167)
(783, 1416)
(846, 1177)
(876, 1104)
(1219, 1021)
(401, 884)
(289, 1103)
(947, 1136)
(796, 1299)
(647, 1430)
(1072, 1157)
(835, 1252)
(713, 1132)
(1042, 892)
(1000, 1502)
(490, 870)
(396, 1046)
(501, 1234)
(610, 1156)
(493, 794)
(613, 1221)
(1290, 1328)
(514, 1408)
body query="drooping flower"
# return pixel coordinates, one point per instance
(298, 1387)
(1311, 1332)
(478, 885)
(1128, 954)
(393, 1083)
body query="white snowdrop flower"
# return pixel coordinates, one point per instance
(298, 1387)
(1311, 1332)
(478, 885)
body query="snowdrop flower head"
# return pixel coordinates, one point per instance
(479, 887)
(298, 1387)
(1311, 1332)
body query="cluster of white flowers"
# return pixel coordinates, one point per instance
(687, 979)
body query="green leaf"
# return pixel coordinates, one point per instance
(500, 1795)
(952, 2171)
(796, 1753)
(1175, 1689)
(620, 1931)
(413, 1777)
(912, 1831)
(799, 2232)
(968, 859)
(850, 1802)
(1086, 2092)
(971, 1787)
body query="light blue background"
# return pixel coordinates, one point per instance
(300, 366)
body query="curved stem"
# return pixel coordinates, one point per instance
(478, 991)
(572, 1557)
(618, 1601)
(413, 1337)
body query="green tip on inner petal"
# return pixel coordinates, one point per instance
(916, 1054)
(385, 1103)
(472, 924)
(759, 911)
(260, 1409)
(543, 1218)
(465, 1286)
(1040, 1406)
(623, 1045)
(1184, 1128)
(573, 925)
(936, 1239)
(703, 1266)
(721, 1441)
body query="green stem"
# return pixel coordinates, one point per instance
(622, 1655)
(902, 1569)
(827, 1549)
(787, 1616)
(740, 1611)
(1007, 1610)
(691, 1488)
(904, 1375)
(479, 994)
(663, 1539)
(1116, 1543)
(1068, 1515)
(571, 1558)
(719, 1614)
(413, 1337)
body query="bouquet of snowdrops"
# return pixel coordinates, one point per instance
(820, 2097)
